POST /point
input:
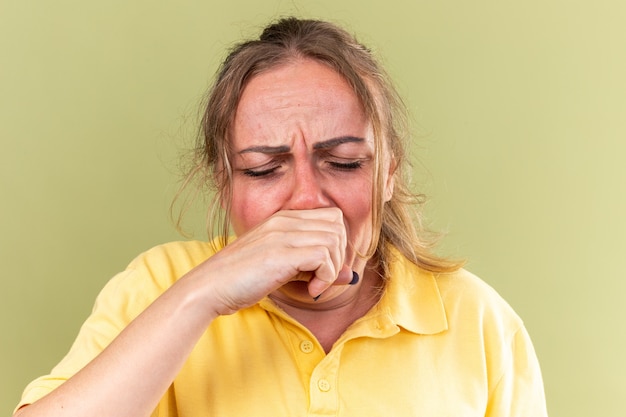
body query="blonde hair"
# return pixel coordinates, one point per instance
(397, 222)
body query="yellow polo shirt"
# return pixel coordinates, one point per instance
(435, 345)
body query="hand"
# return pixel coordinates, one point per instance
(291, 245)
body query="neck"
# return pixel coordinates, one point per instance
(331, 316)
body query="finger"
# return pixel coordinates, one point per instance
(331, 243)
(332, 214)
(317, 261)
(346, 276)
(281, 223)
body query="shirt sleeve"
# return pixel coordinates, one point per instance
(519, 391)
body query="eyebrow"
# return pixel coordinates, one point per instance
(331, 143)
(272, 150)
(326, 144)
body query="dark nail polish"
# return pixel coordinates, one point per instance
(355, 278)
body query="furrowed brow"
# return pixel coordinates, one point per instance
(270, 150)
(331, 143)
(326, 144)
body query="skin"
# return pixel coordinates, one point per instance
(302, 181)
(303, 154)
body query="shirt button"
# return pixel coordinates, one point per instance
(323, 385)
(306, 346)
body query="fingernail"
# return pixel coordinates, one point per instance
(317, 298)
(355, 278)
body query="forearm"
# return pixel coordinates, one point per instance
(129, 377)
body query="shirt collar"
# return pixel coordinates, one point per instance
(412, 299)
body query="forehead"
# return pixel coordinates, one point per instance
(302, 98)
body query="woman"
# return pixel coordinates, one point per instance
(328, 301)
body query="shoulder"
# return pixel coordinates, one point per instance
(464, 299)
(154, 271)
(174, 258)
(463, 287)
(456, 289)
(472, 304)
(485, 325)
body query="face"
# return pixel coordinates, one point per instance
(301, 141)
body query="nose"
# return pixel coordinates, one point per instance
(307, 190)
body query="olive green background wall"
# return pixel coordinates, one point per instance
(520, 110)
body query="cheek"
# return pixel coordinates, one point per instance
(251, 206)
(357, 213)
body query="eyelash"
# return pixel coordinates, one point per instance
(262, 173)
(339, 166)
(348, 166)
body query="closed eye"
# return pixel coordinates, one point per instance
(255, 173)
(346, 166)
